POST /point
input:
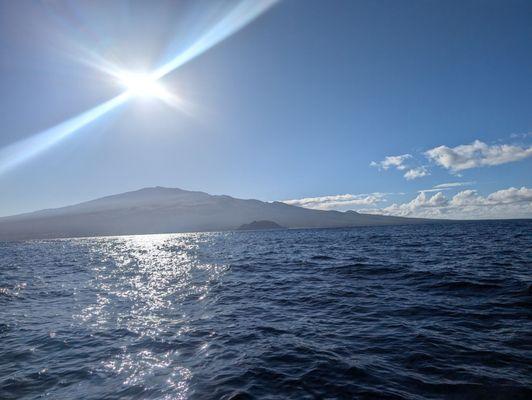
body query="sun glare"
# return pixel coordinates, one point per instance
(142, 85)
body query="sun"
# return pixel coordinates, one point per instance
(142, 85)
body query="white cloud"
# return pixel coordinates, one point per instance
(459, 158)
(446, 186)
(452, 185)
(476, 154)
(467, 204)
(400, 163)
(392, 161)
(415, 173)
(340, 201)
(511, 195)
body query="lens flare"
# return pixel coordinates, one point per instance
(138, 85)
(142, 85)
(238, 17)
(23, 150)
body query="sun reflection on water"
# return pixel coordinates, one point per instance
(148, 290)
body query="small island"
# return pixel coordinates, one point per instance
(260, 225)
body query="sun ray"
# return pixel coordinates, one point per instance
(14, 154)
(241, 15)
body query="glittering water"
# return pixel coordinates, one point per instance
(407, 312)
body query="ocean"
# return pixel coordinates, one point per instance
(440, 311)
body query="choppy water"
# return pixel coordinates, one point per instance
(407, 312)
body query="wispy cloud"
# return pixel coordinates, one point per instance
(446, 186)
(521, 135)
(397, 162)
(476, 154)
(453, 185)
(338, 202)
(467, 204)
(401, 163)
(415, 173)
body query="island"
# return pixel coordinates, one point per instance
(260, 225)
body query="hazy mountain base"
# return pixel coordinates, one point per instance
(166, 210)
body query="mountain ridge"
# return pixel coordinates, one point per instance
(172, 210)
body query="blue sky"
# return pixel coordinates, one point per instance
(297, 104)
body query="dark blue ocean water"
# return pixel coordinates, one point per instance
(405, 312)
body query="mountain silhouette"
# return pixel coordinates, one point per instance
(168, 210)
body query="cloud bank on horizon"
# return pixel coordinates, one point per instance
(466, 204)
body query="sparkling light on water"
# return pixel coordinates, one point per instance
(140, 279)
